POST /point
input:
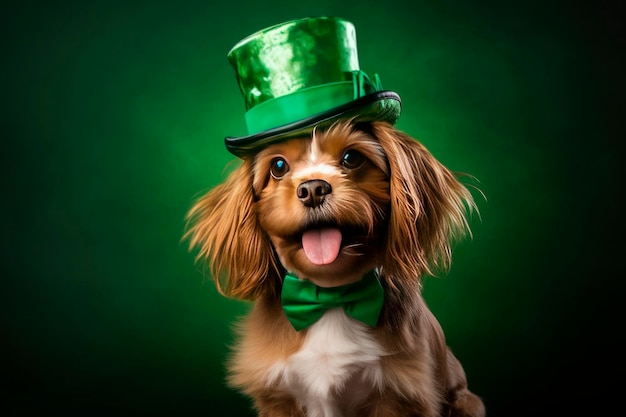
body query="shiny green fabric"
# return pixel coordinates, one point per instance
(302, 74)
(304, 303)
(309, 101)
(298, 69)
(288, 57)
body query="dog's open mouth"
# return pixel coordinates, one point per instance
(323, 243)
(322, 246)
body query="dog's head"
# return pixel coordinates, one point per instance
(328, 207)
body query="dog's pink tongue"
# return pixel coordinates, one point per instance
(321, 246)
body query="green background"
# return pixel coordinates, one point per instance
(113, 120)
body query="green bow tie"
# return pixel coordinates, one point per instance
(304, 302)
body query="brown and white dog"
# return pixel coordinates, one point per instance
(328, 208)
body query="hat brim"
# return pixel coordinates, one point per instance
(381, 106)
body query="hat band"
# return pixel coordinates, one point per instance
(309, 101)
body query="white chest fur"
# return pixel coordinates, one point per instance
(337, 366)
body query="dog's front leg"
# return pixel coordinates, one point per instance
(463, 402)
(277, 405)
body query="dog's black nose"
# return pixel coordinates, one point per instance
(313, 192)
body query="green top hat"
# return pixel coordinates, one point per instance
(302, 73)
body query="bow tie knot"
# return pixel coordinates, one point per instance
(304, 303)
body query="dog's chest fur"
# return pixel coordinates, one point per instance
(337, 367)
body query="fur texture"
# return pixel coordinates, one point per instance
(399, 210)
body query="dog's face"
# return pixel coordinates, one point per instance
(329, 207)
(324, 202)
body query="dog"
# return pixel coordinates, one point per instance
(346, 201)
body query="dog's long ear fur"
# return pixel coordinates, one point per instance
(223, 225)
(429, 209)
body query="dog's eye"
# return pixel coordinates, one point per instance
(352, 159)
(279, 168)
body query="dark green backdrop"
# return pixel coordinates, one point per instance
(113, 119)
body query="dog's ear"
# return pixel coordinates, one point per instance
(429, 208)
(223, 226)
